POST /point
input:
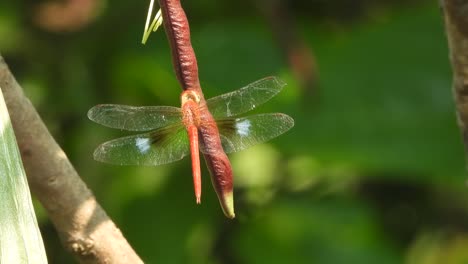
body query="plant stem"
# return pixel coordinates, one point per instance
(456, 26)
(83, 226)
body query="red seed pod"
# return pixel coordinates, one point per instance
(178, 33)
(221, 177)
(217, 162)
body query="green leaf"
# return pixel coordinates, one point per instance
(157, 22)
(20, 238)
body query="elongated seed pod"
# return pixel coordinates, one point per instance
(186, 68)
(217, 162)
(178, 32)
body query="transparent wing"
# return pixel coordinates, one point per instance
(240, 133)
(132, 118)
(245, 99)
(158, 147)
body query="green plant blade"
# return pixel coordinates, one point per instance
(20, 238)
(157, 22)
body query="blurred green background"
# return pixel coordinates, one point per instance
(372, 172)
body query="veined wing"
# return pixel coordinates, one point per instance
(244, 99)
(157, 147)
(133, 118)
(240, 133)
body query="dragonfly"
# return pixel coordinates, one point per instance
(168, 133)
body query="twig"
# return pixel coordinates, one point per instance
(456, 25)
(82, 224)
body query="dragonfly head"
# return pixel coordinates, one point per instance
(190, 95)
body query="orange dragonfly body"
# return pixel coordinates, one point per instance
(209, 126)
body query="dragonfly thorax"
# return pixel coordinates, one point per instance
(189, 95)
(190, 108)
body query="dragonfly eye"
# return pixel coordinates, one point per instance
(190, 96)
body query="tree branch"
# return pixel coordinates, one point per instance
(83, 226)
(456, 25)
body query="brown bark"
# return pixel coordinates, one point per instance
(82, 224)
(456, 25)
